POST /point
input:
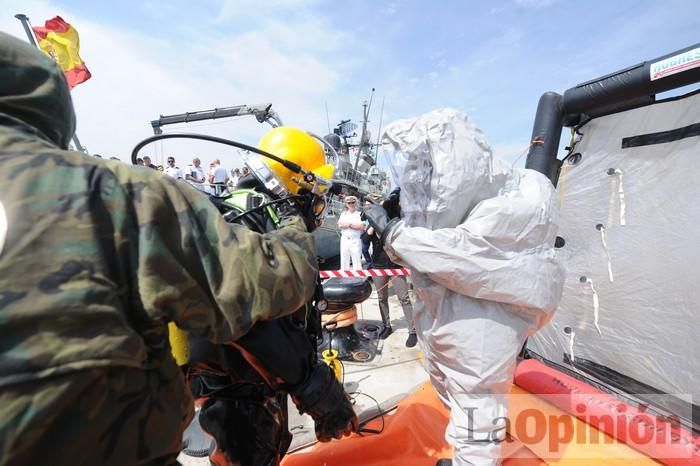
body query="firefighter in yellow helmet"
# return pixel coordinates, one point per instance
(246, 383)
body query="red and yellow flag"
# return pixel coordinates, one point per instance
(60, 41)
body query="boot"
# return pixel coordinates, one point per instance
(444, 462)
(386, 332)
(411, 340)
(195, 442)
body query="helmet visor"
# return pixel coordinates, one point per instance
(412, 171)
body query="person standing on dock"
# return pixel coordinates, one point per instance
(380, 260)
(172, 170)
(351, 227)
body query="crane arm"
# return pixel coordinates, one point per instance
(263, 113)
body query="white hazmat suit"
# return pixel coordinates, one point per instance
(478, 238)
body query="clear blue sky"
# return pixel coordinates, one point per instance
(491, 59)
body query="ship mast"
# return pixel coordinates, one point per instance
(364, 139)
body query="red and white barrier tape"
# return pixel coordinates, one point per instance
(363, 273)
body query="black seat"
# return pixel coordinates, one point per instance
(341, 293)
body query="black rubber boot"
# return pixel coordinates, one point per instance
(386, 332)
(411, 340)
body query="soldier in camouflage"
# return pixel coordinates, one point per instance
(95, 260)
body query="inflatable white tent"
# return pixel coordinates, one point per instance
(629, 320)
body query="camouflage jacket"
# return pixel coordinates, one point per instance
(100, 256)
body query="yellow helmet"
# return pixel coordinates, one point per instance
(296, 146)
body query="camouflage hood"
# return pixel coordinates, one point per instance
(34, 95)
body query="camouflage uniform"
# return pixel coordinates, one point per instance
(99, 257)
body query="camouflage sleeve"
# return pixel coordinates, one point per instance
(210, 277)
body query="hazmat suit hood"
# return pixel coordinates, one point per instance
(471, 223)
(34, 96)
(444, 166)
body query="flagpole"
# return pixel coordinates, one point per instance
(24, 19)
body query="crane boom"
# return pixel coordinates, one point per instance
(263, 113)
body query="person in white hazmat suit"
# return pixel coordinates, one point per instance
(478, 239)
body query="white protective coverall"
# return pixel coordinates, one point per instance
(478, 238)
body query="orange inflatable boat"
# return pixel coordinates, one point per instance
(544, 430)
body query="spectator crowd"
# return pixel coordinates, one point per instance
(215, 181)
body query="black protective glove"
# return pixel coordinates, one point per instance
(305, 204)
(392, 203)
(379, 219)
(324, 399)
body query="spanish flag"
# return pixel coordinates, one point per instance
(60, 41)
